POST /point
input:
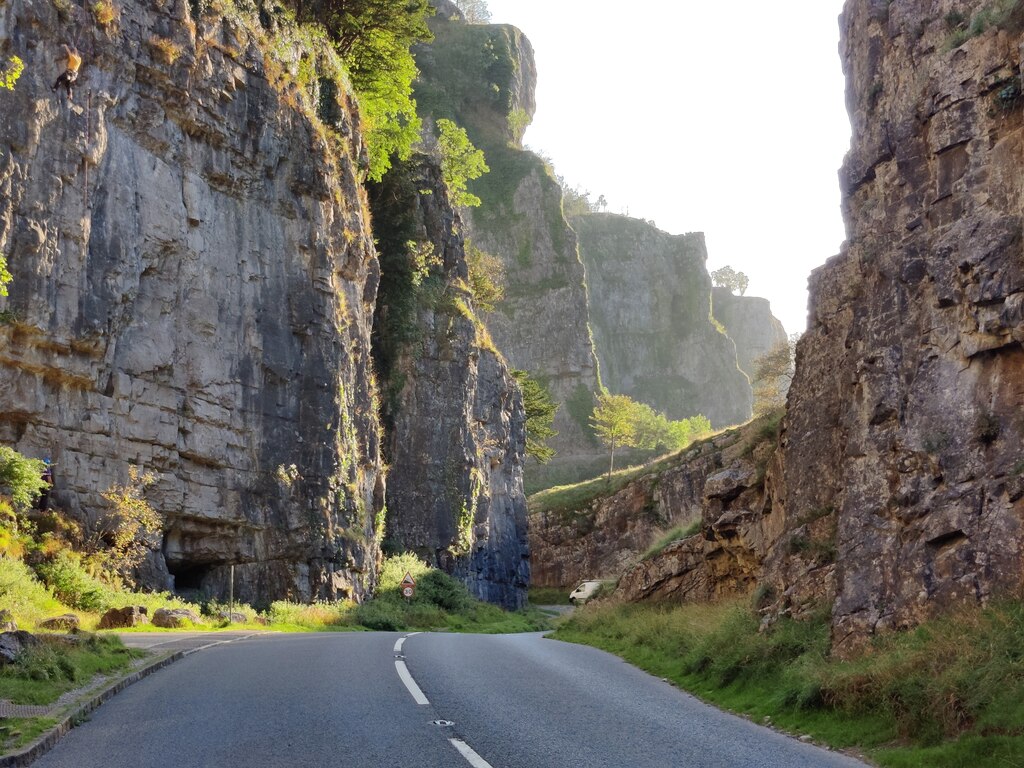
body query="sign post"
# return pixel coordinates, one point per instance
(408, 586)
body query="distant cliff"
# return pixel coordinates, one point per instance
(650, 307)
(749, 322)
(194, 281)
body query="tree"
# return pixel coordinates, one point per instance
(540, 415)
(486, 278)
(727, 277)
(10, 73)
(21, 477)
(122, 536)
(614, 423)
(474, 11)
(773, 373)
(373, 39)
(460, 162)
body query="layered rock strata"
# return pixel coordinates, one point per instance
(905, 418)
(650, 298)
(456, 425)
(193, 288)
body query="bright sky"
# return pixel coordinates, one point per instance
(726, 119)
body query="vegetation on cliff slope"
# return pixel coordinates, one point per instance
(949, 693)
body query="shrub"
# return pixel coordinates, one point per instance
(104, 13)
(166, 51)
(21, 477)
(460, 162)
(72, 584)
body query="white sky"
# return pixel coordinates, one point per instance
(723, 118)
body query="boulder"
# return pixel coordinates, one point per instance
(118, 618)
(13, 643)
(174, 618)
(68, 623)
(232, 616)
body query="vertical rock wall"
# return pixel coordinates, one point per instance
(651, 312)
(750, 324)
(483, 78)
(193, 289)
(457, 429)
(905, 425)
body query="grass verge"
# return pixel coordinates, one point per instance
(550, 595)
(62, 663)
(16, 732)
(949, 694)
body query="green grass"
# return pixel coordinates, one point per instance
(679, 532)
(16, 732)
(42, 673)
(949, 694)
(550, 595)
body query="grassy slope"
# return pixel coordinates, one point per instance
(949, 694)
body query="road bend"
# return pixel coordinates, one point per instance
(399, 700)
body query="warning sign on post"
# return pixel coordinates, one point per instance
(408, 585)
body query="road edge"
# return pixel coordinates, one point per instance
(49, 739)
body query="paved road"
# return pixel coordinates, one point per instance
(364, 700)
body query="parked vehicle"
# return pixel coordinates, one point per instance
(584, 592)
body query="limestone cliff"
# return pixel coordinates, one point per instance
(482, 77)
(749, 322)
(194, 281)
(650, 307)
(456, 426)
(905, 416)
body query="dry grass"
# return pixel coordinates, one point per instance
(164, 50)
(104, 12)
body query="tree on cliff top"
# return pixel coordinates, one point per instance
(474, 11)
(727, 277)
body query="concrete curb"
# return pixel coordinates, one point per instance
(46, 742)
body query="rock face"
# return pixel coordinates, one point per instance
(905, 416)
(456, 425)
(193, 289)
(483, 77)
(607, 535)
(650, 299)
(750, 324)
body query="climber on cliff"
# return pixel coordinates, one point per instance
(72, 61)
(43, 501)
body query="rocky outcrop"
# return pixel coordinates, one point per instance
(904, 427)
(749, 322)
(716, 483)
(482, 77)
(456, 425)
(650, 298)
(193, 288)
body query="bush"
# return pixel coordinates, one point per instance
(21, 477)
(65, 575)
(23, 595)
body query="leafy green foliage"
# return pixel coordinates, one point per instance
(727, 277)
(126, 532)
(620, 421)
(8, 77)
(486, 278)
(21, 477)
(373, 38)
(460, 162)
(474, 11)
(72, 584)
(540, 415)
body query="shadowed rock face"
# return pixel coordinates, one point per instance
(193, 290)
(905, 420)
(457, 429)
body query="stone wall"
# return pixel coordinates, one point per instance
(194, 279)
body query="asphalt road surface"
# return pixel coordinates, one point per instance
(391, 700)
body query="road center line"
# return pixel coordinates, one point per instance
(403, 673)
(398, 644)
(467, 752)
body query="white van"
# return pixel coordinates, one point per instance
(585, 591)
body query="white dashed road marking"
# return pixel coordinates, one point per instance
(403, 673)
(467, 752)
